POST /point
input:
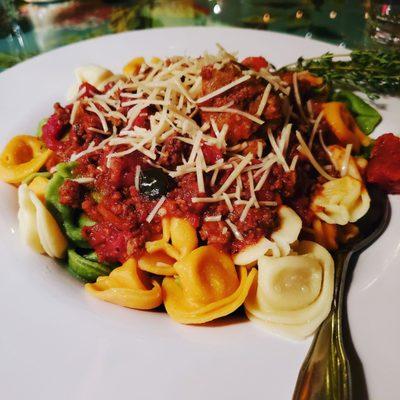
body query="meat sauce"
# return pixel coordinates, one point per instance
(119, 210)
(245, 97)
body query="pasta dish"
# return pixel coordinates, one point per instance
(202, 184)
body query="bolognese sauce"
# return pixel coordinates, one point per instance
(226, 162)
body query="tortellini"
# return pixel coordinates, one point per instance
(345, 199)
(133, 66)
(343, 125)
(39, 186)
(338, 157)
(282, 238)
(325, 234)
(22, 156)
(94, 75)
(331, 235)
(37, 226)
(127, 286)
(341, 201)
(293, 294)
(207, 286)
(178, 239)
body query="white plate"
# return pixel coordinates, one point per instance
(57, 342)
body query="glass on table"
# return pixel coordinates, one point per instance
(13, 46)
(384, 21)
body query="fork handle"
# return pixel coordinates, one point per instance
(325, 373)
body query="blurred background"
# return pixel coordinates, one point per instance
(28, 28)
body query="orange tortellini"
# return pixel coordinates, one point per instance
(207, 286)
(178, 239)
(22, 156)
(343, 125)
(127, 286)
(325, 234)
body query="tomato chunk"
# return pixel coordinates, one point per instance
(255, 63)
(384, 165)
(211, 153)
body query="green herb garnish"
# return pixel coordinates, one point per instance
(366, 116)
(374, 73)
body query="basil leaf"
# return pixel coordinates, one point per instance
(367, 117)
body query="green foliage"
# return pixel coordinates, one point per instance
(366, 116)
(371, 72)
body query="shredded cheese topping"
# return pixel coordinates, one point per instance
(307, 152)
(234, 229)
(168, 96)
(155, 209)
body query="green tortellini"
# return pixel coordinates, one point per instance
(71, 223)
(86, 267)
(39, 130)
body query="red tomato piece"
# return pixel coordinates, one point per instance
(142, 120)
(211, 153)
(255, 63)
(384, 165)
(90, 90)
(52, 132)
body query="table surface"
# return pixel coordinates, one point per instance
(31, 27)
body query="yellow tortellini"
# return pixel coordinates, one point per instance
(279, 245)
(207, 286)
(39, 186)
(341, 201)
(37, 226)
(178, 239)
(345, 199)
(338, 154)
(293, 294)
(127, 286)
(93, 74)
(133, 66)
(22, 156)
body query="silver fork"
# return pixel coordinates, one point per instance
(326, 372)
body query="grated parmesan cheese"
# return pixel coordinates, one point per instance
(137, 177)
(306, 151)
(73, 112)
(234, 229)
(228, 201)
(213, 218)
(223, 89)
(234, 174)
(92, 107)
(264, 99)
(155, 209)
(346, 159)
(277, 151)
